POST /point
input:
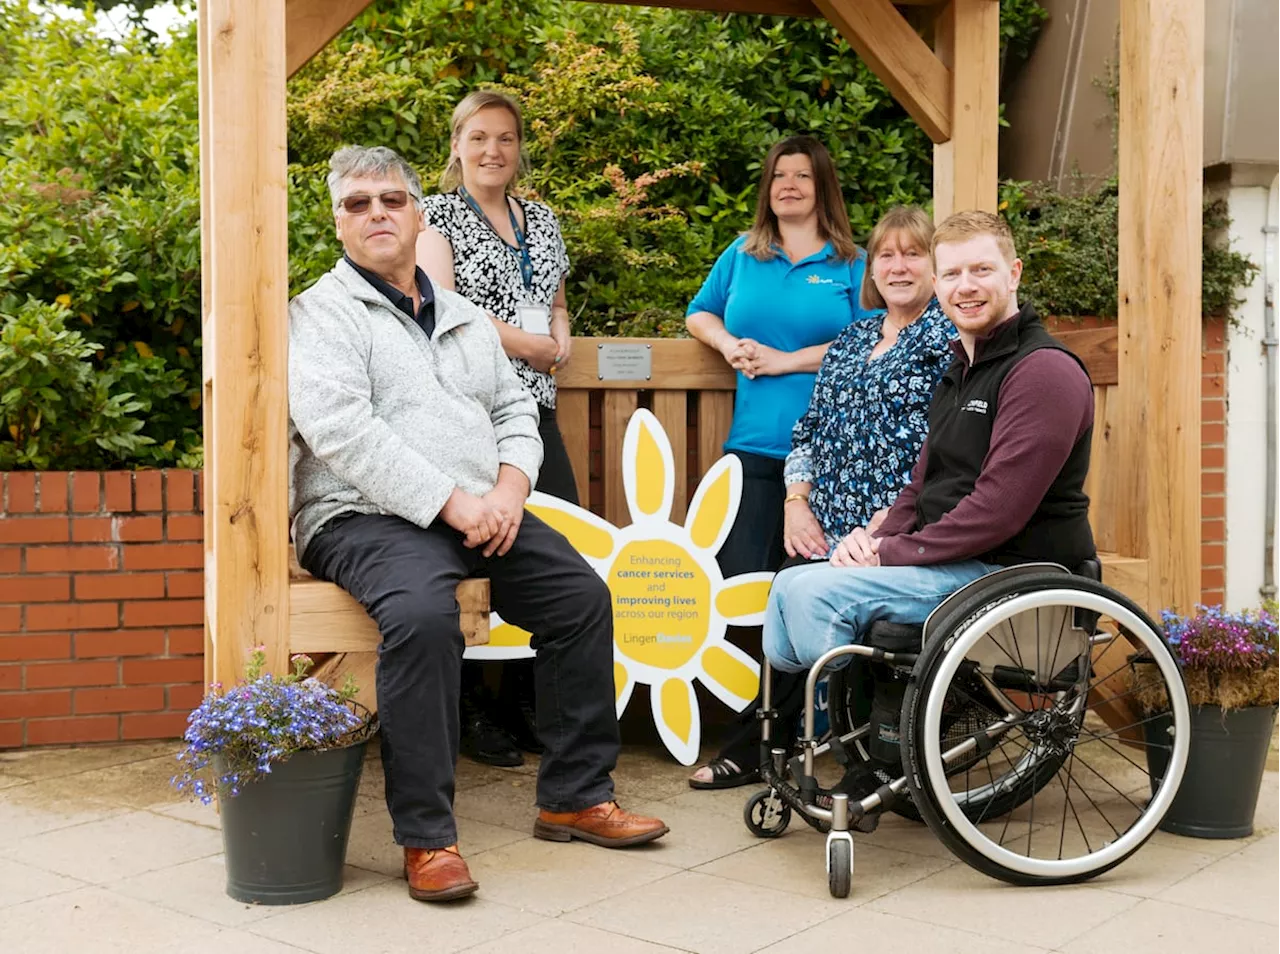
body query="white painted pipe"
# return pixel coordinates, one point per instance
(1269, 345)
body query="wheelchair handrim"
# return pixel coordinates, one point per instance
(936, 777)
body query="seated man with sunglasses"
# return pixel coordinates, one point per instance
(413, 448)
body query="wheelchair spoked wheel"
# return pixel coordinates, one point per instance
(1046, 792)
(961, 718)
(766, 814)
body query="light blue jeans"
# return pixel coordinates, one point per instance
(818, 607)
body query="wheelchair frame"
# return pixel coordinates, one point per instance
(767, 813)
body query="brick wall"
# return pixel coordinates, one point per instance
(101, 606)
(1213, 463)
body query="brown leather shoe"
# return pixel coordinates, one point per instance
(606, 824)
(437, 874)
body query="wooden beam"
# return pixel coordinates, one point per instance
(245, 264)
(895, 53)
(1161, 191)
(965, 172)
(311, 24)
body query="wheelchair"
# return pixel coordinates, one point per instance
(986, 723)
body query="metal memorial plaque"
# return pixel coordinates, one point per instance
(624, 362)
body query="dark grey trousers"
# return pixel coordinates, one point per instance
(406, 577)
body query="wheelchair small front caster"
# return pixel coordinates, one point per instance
(766, 814)
(839, 863)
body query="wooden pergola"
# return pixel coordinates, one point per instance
(248, 49)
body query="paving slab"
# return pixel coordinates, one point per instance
(98, 921)
(710, 915)
(111, 849)
(198, 888)
(1242, 885)
(564, 937)
(550, 878)
(372, 846)
(384, 920)
(797, 862)
(20, 883)
(1157, 927)
(966, 900)
(862, 929)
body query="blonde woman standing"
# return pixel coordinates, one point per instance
(507, 255)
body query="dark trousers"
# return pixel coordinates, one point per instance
(555, 477)
(755, 545)
(406, 577)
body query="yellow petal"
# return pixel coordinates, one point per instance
(587, 538)
(649, 473)
(733, 674)
(64, 301)
(504, 634)
(677, 712)
(710, 509)
(144, 349)
(745, 598)
(620, 680)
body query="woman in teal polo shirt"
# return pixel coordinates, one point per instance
(774, 301)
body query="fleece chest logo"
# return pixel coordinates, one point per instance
(975, 406)
(816, 279)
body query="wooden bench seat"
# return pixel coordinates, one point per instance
(327, 623)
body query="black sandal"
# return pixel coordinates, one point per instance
(725, 774)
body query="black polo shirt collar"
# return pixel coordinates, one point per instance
(426, 316)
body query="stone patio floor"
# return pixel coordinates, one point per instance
(98, 856)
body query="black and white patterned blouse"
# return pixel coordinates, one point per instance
(487, 271)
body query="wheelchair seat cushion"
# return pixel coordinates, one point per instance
(895, 637)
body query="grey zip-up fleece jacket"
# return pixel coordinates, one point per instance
(383, 420)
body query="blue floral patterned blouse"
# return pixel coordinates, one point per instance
(866, 420)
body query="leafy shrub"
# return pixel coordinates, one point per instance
(56, 406)
(99, 174)
(1069, 243)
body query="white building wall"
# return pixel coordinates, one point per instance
(1252, 206)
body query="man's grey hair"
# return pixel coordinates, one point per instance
(369, 162)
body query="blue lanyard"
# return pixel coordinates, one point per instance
(521, 252)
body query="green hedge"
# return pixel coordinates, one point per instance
(647, 128)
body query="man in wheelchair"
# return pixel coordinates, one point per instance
(999, 481)
(979, 623)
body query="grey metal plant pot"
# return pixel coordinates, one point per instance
(1219, 791)
(285, 835)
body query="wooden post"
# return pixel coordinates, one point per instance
(245, 271)
(967, 41)
(1161, 192)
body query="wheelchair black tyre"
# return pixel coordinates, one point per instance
(1054, 718)
(766, 815)
(839, 867)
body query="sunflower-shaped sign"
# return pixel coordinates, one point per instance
(670, 603)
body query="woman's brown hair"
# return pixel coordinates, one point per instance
(471, 104)
(913, 226)
(833, 218)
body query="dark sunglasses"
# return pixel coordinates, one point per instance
(360, 203)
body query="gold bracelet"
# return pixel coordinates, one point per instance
(791, 497)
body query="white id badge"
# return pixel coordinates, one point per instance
(535, 319)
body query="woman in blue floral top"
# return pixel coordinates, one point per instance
(853, 449)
